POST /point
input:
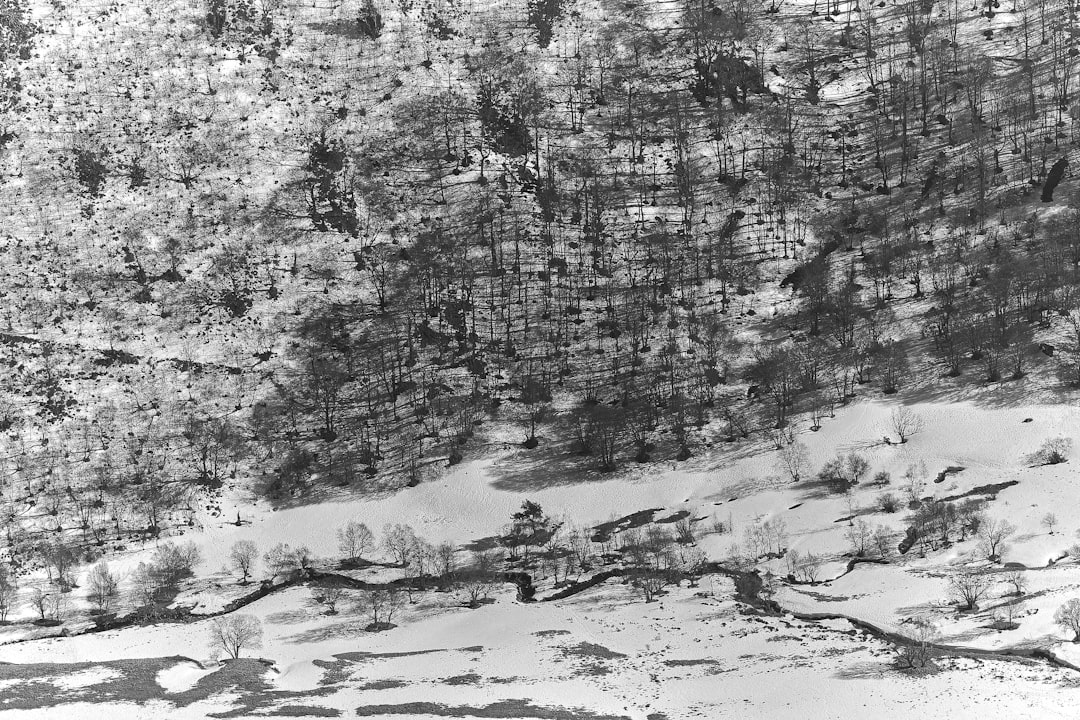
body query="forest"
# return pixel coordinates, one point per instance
(309, 249)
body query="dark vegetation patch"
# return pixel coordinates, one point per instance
(592, 651)
(385, 684)
(303, 711)
(692, 663)
(951, 470)
(989, 490)
(674, 517)
(466, 679)
(361, 656)
(637, 519)
(501, 710)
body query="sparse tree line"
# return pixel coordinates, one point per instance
(147, 590)
(533, 545)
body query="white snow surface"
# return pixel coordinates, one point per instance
(691, 654)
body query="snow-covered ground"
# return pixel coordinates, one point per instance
(694, 653)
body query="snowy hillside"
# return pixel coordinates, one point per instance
(539, 359)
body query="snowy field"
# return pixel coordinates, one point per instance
(604, 653)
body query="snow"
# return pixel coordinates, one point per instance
(85, 678)
(182, 676)
(693, 652)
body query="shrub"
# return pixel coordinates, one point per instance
(172, 563)
(1054, 451)
(833, 475)
(888, 503)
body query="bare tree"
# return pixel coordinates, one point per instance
(794, 461)
(916, 652)
(905, 423)
(329, 596)
(692, 562)
(399, 541)
(144, 586)
(915, 475)
(992, 536)
(102, 587)
(242, 555)
(355, 540)
(883, 541)
(381, 604)
(1018, 581)
(476, 580)
(860, 536)
(1068, 617)
(968, 588)
(8, 598)
(445, 560)
(810, 567)
(281, 560)
(236, 632)
(857, 467)
(1049, 520)
(41, 600)
(684, 531)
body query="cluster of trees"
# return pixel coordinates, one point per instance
(576, 252)
(150, 586)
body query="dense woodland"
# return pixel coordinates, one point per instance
(323, 247)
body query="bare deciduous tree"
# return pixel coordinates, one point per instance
(476, 580)
(400, 542)
(234, 633)
(1049, 520)
(7, 600)
(968, 588)
(860, 537)
(329, 596)
(794, 461)
(905, 423)
(916, 653)
(102, 586)
(1018, 581)
(1068, 617)
(242, 555)
(381, 604)
(354, 540)
(992, 536)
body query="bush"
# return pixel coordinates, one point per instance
(888, 503)
(1054, 451)
(171, 563)
(833, 475)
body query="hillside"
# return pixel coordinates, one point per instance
(778, 292)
